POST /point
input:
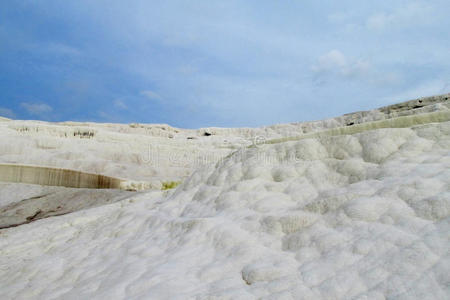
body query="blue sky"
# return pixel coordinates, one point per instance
(217, 63)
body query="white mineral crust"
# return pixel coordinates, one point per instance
(357, 214)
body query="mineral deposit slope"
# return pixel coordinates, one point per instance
(152, 154)
(358, 215)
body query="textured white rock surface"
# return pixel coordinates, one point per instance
(354, 216)
(151, 154)
(343, 208)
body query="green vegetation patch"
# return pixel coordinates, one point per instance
(170, 185)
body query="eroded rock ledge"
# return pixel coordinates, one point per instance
(57, 177)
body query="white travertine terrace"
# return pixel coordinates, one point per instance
(148, 155)
(397, 122)
(356, 207)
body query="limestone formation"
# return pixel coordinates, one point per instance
(354, 207)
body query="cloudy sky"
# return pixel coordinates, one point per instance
(217, 63)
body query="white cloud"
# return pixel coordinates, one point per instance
(331, 60)
(413, 13)
(335, 62)
(119, 104)
(379, 21)
(37, 109)
(151, 95)
(6, 112)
